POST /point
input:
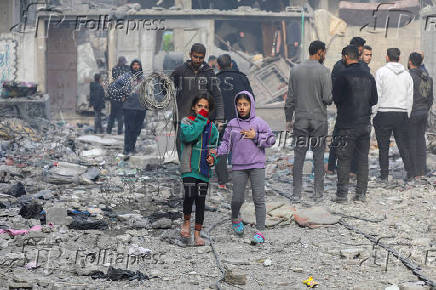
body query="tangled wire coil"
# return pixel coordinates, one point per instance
(156, 91)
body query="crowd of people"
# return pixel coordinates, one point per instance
(218, 124)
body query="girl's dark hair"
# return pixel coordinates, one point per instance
(203, 97)
(242, 96)
(97, 78)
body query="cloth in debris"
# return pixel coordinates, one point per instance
(83, 223)
(17, 190)
(114, 274)
(13, 232)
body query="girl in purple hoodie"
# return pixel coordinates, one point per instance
(246, 137)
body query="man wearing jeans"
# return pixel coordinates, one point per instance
(395, 92)
(354, 93)
(309, 93)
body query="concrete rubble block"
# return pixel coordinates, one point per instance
(96, 152)
(97, 140)
(164, 223)
(130, 216)
(314, 216)
(13, 259)
(352, 253)
(235, 278)
(58, 216)
(138, 161)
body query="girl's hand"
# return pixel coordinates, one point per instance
(249, 134)
(210, 160)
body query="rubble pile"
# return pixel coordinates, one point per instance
(75, 213)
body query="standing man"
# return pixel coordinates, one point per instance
(96, 100)
(193, 78)
(117, 106)
(422, 102)
(354, 93)
(309, 93)
(231, 82)
(395, 92)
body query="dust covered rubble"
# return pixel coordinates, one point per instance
(72, 207)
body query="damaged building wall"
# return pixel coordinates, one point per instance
(24, 55)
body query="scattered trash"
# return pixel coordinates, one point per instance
(31, 211)
(309, 282)
(114, 274)
(17, 190)
(82, 223)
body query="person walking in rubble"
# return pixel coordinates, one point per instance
(198, 147)
(231, 82)
(247, 136)
(309, 93)
(354, 93)
(117, 106)
(395, 92)
(96, 100)
(134, 112)
(194, 78)
(422, 102)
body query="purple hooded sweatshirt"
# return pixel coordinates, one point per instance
(247, 153)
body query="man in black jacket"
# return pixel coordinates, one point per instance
(96, 100)
(422, 102)
(116, 106)
(194, 78)
(231, 82)
(338, 68)
(354, 93)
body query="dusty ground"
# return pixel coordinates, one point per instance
(142, 210)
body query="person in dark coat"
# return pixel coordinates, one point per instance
(96, 100)
(117, 106)
(354, 93)
(231, 82)
(194, 78)
(134, 112)
(422, 103)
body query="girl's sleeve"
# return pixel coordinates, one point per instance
(264, 136)
(213, 143)
(224, 147)
(191, 130)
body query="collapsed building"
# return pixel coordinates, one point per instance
(60, 45)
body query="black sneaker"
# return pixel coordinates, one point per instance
(340, 199)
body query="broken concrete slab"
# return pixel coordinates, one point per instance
(57, 216)
(96, 152)
(235, 278)
(137, 161)
(314, 216)
(97, 140)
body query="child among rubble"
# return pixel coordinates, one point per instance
(247, 136)
(199, 137)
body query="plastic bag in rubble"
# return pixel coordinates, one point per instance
(114, 274)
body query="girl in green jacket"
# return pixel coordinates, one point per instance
(199, 137)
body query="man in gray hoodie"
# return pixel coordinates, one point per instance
(309, 93)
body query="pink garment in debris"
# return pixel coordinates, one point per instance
(13, 232)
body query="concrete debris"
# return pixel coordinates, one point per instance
(83, 208)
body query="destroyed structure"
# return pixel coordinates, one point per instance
(76, 215)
